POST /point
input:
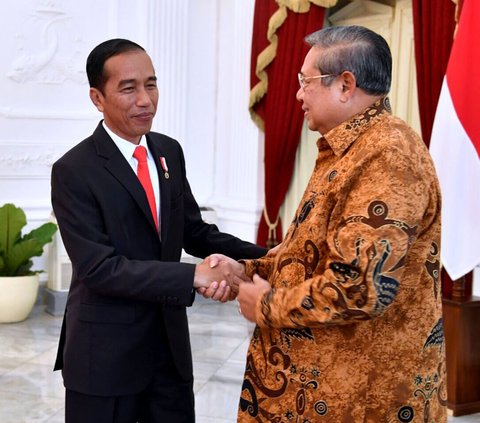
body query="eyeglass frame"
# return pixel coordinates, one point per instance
(303, 80)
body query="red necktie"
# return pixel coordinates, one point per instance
(143, 175)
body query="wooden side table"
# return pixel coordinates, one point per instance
(462, 343)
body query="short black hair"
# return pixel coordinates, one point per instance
(358, 50)
(100, 54)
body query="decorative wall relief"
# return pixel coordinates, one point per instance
(27, 160)
(50, 53)
(46, 158)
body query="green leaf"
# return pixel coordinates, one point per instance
(12, 220)
(20, 254)
(24, 269)
(43, 234)
(16, 251)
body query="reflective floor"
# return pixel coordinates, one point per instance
(30, 392)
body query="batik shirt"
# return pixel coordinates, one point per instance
(352, 328)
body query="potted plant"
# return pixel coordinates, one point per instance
(18, 283)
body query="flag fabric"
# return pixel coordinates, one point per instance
(455, 147)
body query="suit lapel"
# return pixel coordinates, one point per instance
(165, 185)
(117, 165)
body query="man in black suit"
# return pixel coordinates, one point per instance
(124, 348)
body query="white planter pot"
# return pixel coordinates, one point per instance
(17, 297)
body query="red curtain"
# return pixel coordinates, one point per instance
(278, 109)
(434, 24)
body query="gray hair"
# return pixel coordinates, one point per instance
(356, 49)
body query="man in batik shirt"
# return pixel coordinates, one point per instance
(348, 312)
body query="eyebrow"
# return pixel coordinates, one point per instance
(133, 81)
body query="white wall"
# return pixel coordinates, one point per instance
(200, 50)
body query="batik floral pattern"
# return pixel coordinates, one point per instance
(351, 330)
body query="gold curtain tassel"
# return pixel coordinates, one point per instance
(272, 229)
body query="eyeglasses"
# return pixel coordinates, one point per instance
(304, 80)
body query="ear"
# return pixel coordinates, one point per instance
(348, 85)
(97, 98)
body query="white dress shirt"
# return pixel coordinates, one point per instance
(127, 148)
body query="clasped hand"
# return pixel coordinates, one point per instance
(218, 277)
(234, 281)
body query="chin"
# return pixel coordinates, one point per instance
(145, 129)
(312, 126)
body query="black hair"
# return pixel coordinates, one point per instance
(100, 54)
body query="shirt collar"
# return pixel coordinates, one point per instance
(126, 147)
(343, 135)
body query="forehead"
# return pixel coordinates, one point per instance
(311, 60)
(135, 64)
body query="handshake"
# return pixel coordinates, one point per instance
(223, 279)
(219, 277)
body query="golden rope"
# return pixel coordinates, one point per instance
(263, 60)
(268, 54)
(272, 233)
(457, 16)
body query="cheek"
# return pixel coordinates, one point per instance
(315, 107)
(154, 98)
(321, 104)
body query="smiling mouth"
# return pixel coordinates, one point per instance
(144, 116)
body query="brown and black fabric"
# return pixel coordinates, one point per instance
(352, 328)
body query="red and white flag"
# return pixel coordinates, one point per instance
(455, 147)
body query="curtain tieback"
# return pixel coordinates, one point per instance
(272, 232)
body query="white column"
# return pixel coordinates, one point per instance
(239, 171)
(167, 45)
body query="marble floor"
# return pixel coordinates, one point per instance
(31, 393)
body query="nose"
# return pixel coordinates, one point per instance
(143, 97)
(300, 93)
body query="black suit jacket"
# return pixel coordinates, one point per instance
(129, 291)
